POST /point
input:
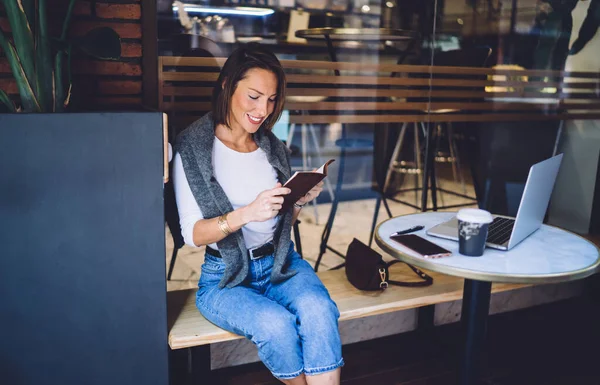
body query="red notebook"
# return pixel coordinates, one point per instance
(302, 182)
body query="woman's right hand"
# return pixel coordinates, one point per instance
(267, 204)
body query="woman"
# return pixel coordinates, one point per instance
(228, 174)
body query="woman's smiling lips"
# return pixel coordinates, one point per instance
(254, 120)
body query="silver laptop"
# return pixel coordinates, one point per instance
(504, 232)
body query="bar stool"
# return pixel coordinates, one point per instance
(470, 57)
(400, 166)
(348, 34)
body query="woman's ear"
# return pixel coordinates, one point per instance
(223, 83)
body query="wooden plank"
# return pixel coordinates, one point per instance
(174, 90)
(185, 120)
(190, 76)
(403, 68)
(190, 328)
(192, 61)
(381, 67)
(350, 119)
(378, 80)
(401, 106)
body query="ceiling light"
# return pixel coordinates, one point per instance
(246, 11)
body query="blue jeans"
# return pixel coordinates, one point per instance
(294, 324)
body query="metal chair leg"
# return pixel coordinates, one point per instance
(455, 155)
(297, 239)
(320, 157)
(334, 205)
(394, 157)
(375, 215)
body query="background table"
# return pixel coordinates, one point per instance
(549, 255)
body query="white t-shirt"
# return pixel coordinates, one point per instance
(242, 176)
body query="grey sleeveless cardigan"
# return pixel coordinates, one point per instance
(195, 145)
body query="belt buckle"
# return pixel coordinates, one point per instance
(251, 252)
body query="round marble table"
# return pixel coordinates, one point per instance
(549, 255)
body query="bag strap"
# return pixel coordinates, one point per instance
(427, 280)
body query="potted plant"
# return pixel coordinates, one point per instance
(40, 62)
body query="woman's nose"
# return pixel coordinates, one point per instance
(262, 107)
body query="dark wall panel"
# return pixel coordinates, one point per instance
(82, 250)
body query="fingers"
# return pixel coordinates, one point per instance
(318, 188)
(272, 203)
(270, 200)
(278, 191)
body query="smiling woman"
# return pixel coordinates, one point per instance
(252, 80)
(228, 173)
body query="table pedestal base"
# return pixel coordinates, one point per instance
(475, 309)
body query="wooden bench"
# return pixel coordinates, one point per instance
(189, 329)
(368, 93)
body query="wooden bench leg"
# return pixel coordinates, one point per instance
(178, 366)
(200, 366)
(190, 366)
(425, 318)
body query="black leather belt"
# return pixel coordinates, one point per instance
(255, 253)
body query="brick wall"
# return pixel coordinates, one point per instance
(97, 85)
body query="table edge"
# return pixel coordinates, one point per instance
(490, 277)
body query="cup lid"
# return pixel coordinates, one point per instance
(474, 216)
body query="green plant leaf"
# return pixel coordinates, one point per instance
(28, 98)
(65, 27)
(23, 38)
(44, 69)
(59, 88)
(102, 43)
(62, 99)
(6, 101)
(29, 8)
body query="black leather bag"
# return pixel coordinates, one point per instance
(366, 270)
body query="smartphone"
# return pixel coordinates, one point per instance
(421, 245)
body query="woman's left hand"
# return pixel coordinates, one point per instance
(311, 195)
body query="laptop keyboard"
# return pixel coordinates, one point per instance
(500, 230)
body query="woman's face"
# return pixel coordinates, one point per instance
(253, 100)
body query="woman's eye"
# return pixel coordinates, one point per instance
(253, 97)
(272, 100)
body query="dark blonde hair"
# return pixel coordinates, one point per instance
(237, 65)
